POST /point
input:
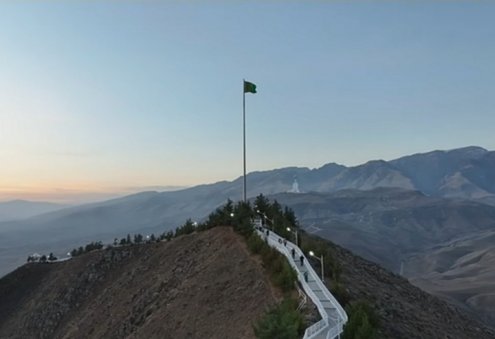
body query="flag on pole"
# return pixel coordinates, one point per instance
(249, 87)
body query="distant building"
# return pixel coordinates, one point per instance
(295, 187)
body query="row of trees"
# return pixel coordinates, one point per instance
(128, 240)
(283, 320)
(94, 245)
(136, 239)
(41, 258)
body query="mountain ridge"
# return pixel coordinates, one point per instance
(19, 209)
(153, 211)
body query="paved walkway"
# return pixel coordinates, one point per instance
(332, 313)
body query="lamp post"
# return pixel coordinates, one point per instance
(311, 253)
(295, 232)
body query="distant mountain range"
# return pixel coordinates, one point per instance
(22, 209)
(388, 224)
(392, 212)
(461, 173)
(464, 173)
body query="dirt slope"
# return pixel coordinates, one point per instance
(202, 285)
(404, 310)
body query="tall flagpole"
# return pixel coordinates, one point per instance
(244, 133)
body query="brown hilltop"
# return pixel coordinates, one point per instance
(203, 285)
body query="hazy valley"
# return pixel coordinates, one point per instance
(430, 214)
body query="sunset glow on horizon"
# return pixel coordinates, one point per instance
(100, 99)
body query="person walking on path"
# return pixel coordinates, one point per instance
(293, 252)
(306, 276)
(301, 259)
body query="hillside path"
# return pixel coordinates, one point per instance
(333, 315)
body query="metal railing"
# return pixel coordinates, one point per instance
(332, 325)
(315, 329)
(340, 310)
(302, 297)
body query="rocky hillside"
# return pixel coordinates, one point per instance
(461, 272)
(204, 285)
(404, 311)
(444, 246)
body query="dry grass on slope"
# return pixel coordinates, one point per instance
(203, 285)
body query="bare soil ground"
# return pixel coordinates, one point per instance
(203, 285)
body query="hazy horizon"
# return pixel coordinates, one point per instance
(97, 98)
(75, 197)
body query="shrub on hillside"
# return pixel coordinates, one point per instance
(138, 238)
(94, 245)
(188, 228)
(255, 243)
(282, 321)
(363, 322)
(340, 293)
(286, 278)
(281, 273)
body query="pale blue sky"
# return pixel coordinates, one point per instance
(99, 96)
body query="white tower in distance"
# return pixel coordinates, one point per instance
(295, 186)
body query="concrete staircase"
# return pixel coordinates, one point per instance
(333, 316)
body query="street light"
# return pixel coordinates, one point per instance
(295, 232)
(311, 253)
(232, 214)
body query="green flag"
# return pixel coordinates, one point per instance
(249, 87)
